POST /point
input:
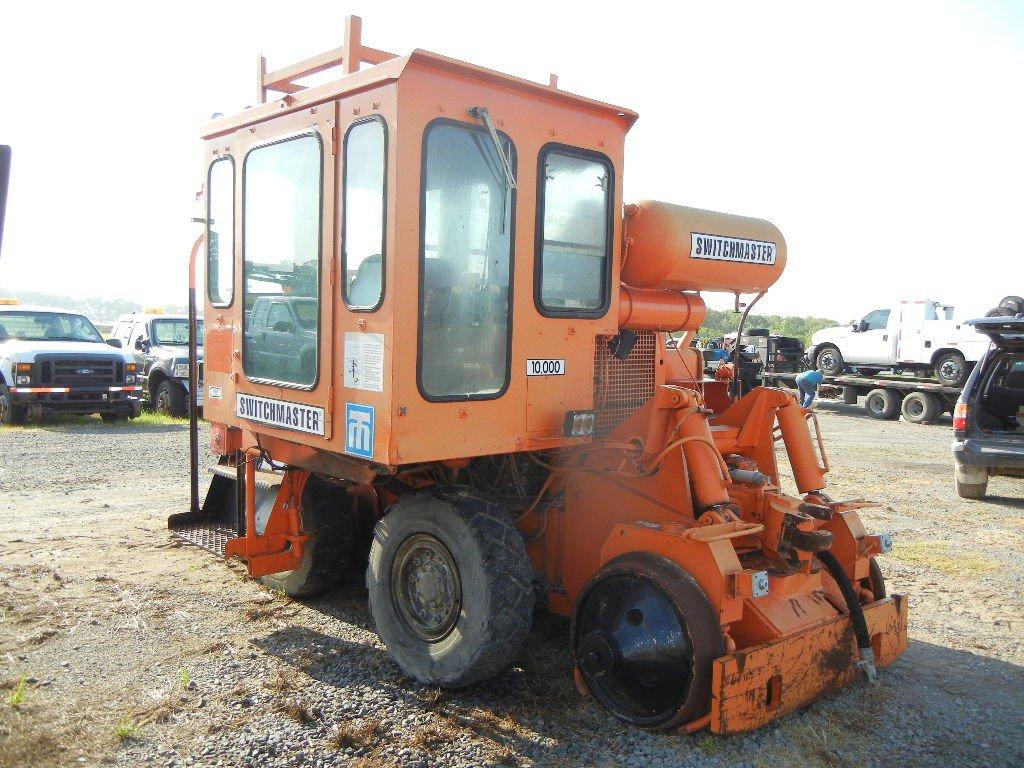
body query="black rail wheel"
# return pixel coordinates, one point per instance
(644, 639)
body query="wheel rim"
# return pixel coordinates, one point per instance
(950, 370)
(634, 651)
(875, 404)
(915, 407)
(827, 361)
(163, 400)
(425, 587)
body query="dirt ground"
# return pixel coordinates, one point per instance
(118, 646)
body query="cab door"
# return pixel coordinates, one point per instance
(873, 342)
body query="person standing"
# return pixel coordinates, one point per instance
(807, 383)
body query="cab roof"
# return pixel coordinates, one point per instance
(6, 308)
(386, 67)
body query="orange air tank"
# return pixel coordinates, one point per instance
(687, 249)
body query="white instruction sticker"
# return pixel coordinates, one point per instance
(545, 367)
(721, 248)
(364, 361)
(279, 413)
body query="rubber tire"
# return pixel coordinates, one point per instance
(701, 622)
(964, 370)
(496, 578)
(10, 414)
(927, 403)
(840, 364)
(177, 403)
(888, 404)
(1013, 303)
(971, 490)
(327, 518)
(849, 395)
(1000, 312)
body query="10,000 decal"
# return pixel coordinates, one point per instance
(545, 367)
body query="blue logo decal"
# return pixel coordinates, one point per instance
(359, 424)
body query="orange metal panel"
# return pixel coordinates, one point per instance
(757, 685)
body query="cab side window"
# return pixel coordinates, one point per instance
(279, 314)
(574, 232)
(138, 333)
(362, 255)
(877, 320)
(220, 232)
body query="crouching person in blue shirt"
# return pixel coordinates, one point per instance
(807, 382)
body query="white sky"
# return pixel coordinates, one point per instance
(886, 140)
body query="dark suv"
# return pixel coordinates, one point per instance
(988, 422)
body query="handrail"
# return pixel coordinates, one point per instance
(283, 80)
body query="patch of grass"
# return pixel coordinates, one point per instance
(708, 744)
(127, 730)
(17, 697)
(940, 556)
(297, 711)
(366, 734)
(185, 679)
(146, 419)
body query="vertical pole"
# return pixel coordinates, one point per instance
(261, 79)
(353, 54)
(193, 380)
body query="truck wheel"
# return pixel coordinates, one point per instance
(327, 518)
(920, 407)
(170, 399)
(849, 395)
(951, 369)
(451, 588)
(830, 361)
(1014, 303)
(882, 404)
(9, 412)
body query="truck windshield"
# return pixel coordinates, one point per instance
(174, 332)
(47, 326)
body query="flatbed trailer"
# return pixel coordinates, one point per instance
(886, 396)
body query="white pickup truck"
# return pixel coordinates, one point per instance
(924, 336)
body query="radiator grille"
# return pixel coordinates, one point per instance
(622, 386)
(81, 371)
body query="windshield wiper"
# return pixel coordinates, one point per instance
(481, 114)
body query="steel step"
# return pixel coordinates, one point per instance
(211, 536)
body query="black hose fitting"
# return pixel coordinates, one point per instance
(860, 625)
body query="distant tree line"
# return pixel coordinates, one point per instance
(720, 323)
(97, 309)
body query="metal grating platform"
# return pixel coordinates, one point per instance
(212, 536)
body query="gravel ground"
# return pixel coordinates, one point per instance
(138, 651)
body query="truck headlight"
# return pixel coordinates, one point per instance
(181, 370)
(24, 380)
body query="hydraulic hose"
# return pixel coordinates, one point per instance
(860, 625)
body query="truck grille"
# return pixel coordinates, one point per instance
(80, 371)
(622, 386)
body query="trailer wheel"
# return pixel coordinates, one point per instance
(920, 407)
(1013, 303)
(830, 361)
(850, 395)
(9, 412)
(644, 637)
(327, 518)
(882, 404)
(451, 588)
(951, 369)
(875, 581)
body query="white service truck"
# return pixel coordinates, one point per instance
(924, 337)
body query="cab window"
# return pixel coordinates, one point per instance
(220, 232)
(362, 255)
(465, 263)
(281, 214)
(877, 320)
(574, 232)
